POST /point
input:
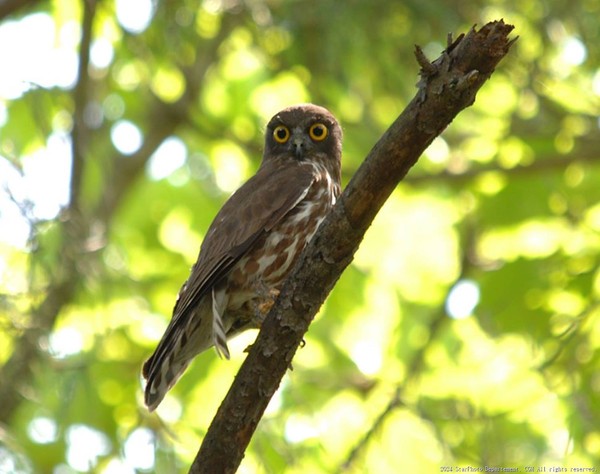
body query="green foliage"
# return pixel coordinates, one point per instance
(506, 199)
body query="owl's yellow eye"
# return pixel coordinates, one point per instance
(281, 134)
(318, 132)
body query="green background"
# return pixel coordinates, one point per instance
(390, 380)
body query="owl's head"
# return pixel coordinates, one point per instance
(304, 132)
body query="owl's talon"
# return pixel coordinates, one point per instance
(264, 307)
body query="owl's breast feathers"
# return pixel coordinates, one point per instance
(275, 252)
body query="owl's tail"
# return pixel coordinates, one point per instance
(161, 374)
(189, 333)
(184, 338)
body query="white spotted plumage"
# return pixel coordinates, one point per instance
(219, 337)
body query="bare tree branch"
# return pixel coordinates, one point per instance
(8, 7)
(79, 137)
(163, 119)
(588, 154)
(415, 368)
(19, 367)
(396, 399)
(447, 86)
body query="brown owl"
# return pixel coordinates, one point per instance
(253, 243)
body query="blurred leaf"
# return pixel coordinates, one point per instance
(507, 198)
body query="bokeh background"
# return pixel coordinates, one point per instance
(465, 333)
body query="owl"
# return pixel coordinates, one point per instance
(253, 243)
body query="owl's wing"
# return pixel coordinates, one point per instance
(252, 210)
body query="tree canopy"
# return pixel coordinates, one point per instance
(466, 332)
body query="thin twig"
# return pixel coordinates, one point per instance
(79, 136)
(543, 164)
(18, 368)
(415, 368)
(11, 7)
(163, 119)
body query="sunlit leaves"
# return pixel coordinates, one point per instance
(175, 233)
(500, 231)
(168, 84)
(230, 164)
(422, 261)
(272, 96)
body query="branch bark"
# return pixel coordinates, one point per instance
(447, 86)
(79, 135)
(10, 7)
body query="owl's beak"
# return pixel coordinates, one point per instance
(299, 145)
